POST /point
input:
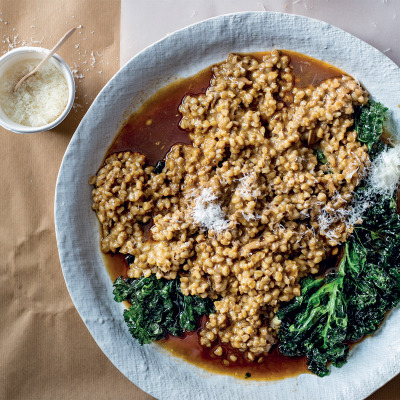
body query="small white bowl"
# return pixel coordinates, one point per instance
(28, 53)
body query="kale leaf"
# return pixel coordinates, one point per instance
(158, 307)
(373, 287)
(369, 120)
(320, 156)
(159, 167)
(315, 324)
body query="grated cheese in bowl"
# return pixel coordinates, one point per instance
(39, 100)
(43, 100)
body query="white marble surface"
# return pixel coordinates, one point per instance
(372, 363)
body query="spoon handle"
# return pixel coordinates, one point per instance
(53, 50)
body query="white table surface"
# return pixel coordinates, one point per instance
(143, 22)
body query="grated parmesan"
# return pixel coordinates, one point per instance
(39, 100)
(385, 173)
(245, 187)
(207, 213)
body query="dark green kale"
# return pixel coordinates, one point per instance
(320, 156)
(315, 323)
(158, 307)
(368, 121)
(129, 258)
(159, 167)
(373, 285)
(345, 306)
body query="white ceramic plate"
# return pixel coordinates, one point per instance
(371, 364)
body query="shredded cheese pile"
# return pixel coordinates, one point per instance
(39, 100)
(207, 213)
(385, 174)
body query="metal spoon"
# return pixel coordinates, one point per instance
(40, 65)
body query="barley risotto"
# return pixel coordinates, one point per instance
(246, 209)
